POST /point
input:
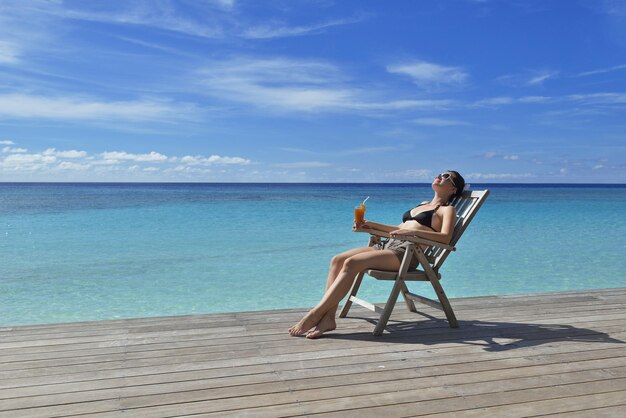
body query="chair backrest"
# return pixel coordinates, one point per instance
(466, 207)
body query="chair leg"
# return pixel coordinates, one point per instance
(398, 286)
(445, 304)
(353, 291)
(409, 302)
(441, 295)
(391, 302)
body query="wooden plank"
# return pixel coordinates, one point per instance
(299, 380)
(596, 406)
(193, 333)
(336, 365)
(429, 400)
(4, 354)
(522, 299)
(609, 404)
(239, 339)
(275, 354)
(340, 351)
(296, 315)
(430, 324)
(208, 389)
(389, 404)
(445, 362)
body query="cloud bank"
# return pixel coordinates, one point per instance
(55, 162)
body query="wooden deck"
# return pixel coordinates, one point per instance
(540, 354)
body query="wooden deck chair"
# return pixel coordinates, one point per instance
(430, 261)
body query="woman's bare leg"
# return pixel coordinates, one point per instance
(336, 264)
(327, 323)
(380, 259)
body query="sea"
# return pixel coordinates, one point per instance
(92, 251)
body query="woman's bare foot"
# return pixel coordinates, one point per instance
(305, 324)
(326, 324)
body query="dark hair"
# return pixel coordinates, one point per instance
(459, 183)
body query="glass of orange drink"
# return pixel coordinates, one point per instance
(359, 213)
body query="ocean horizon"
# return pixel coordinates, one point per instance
(80, 251)
(473, 185)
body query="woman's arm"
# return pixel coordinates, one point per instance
(448, 215)
(365, 225)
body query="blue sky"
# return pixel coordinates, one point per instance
(313, 91)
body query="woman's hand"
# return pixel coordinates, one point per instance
(359, 226)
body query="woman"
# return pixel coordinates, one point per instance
(432, 220)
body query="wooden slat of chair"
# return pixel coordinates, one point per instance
(475, 200)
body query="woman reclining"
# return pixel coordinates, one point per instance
(433, 220)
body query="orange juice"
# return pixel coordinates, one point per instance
(359, 213)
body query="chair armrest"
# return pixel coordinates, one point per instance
(374, 232)
(411, 238)
(418, 240)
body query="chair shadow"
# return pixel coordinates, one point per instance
(435, 331)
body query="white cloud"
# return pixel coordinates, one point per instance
(27, 162)
(291, 85)
(213, 159)
(8, 53)
(438, 122)
(528, 78)
(599, 98)
(159, 15)
(493, 154)
(185, 169)
(29, 158)
(431, 104)
(495, 101)
(80, 165)
(409, 175)
(123, 155)
(277, 31)
(603, 98)
(303, 164)
(276, 83)
(18, 105)
(354, 151)
(68, 165)
(540, 77)
(14, 150)
(65, 154)
(426, 74)
(601, 70)
(216, 159)
(7, 142)
(534, 99)
(19, 39)
(497, 176)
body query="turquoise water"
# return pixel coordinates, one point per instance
(75, 252)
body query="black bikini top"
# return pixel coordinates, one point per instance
(423, 218)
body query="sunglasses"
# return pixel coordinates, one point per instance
(446, 176)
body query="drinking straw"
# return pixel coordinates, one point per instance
(365, 200)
